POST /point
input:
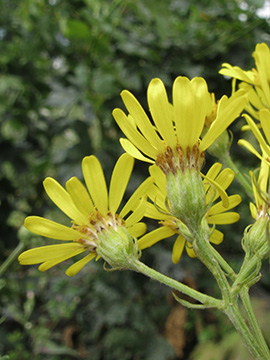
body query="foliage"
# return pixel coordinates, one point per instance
(62, 68)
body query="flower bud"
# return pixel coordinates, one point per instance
(118, 248)
(256, 237)
(186, 195)
(221, 145)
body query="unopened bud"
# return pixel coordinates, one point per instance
(221, 145)
(186, 195)
(118, 248)
(256, 237)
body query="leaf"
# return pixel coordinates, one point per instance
(77, 30)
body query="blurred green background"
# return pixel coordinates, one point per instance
(63, 65)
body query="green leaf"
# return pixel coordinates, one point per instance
(77, 30)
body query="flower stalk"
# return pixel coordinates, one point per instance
(204, 299)
(253, 340)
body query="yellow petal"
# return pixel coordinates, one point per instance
(133, 134)
(218, 208)
(254, 184)
(254, 97)
(225, 178)
(257, 134)
(178, 248)
(255, 189)
(265, 103)
(155, 236)
(223, 219)
(184, 111)
(228, 111)
(245, 128)
(190, 251)
(216, 237)
(249, 147)
(51, 229)
(137, 229)
(212, 173)
(263, 178)
(133, 201)
(133, 151)
(214, 170)
(137, 213)
(80, 196)
(96, 184)
(159, 176)
(119, 180)
(49, 252)
(253, 210)
(262, 58)
(78, 265)
(49, 264)
(161, 111)
(237, 72)
(222, 193)
(138, 114)
(63, 200)
(152, 212)
(158, 197)
(200, 90)
(265, 121)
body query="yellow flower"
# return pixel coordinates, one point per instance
(93, 214)
(260, 186)
(260, 191)
(256, 236)
(264, 118)
(174, 139)
(259, 79)
(215, 184)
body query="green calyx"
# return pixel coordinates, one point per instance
(257, 238)
(118, 248)
(221, 145)
(186, 195)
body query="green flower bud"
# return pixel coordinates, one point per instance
(257, 238)
(186, 195)
(118, 248)
(221, 145)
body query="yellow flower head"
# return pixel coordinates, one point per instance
(174, 139)
(93, 213)
(259, 79)
(264, 141)
(256, 236)
(215, 184)
(260, 186)
(261, 191)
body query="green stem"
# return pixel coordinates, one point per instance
(15, 253)
(253, 321)
(204, 252)
(153, 274)
(223, 263)
(249, 340)
(226, 158)
(248, 266)
(256, 331)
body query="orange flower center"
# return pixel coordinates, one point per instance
(97, 224)
(171, 161)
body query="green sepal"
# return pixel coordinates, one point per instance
(189, 305)
(186, 195)
(118, 248)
